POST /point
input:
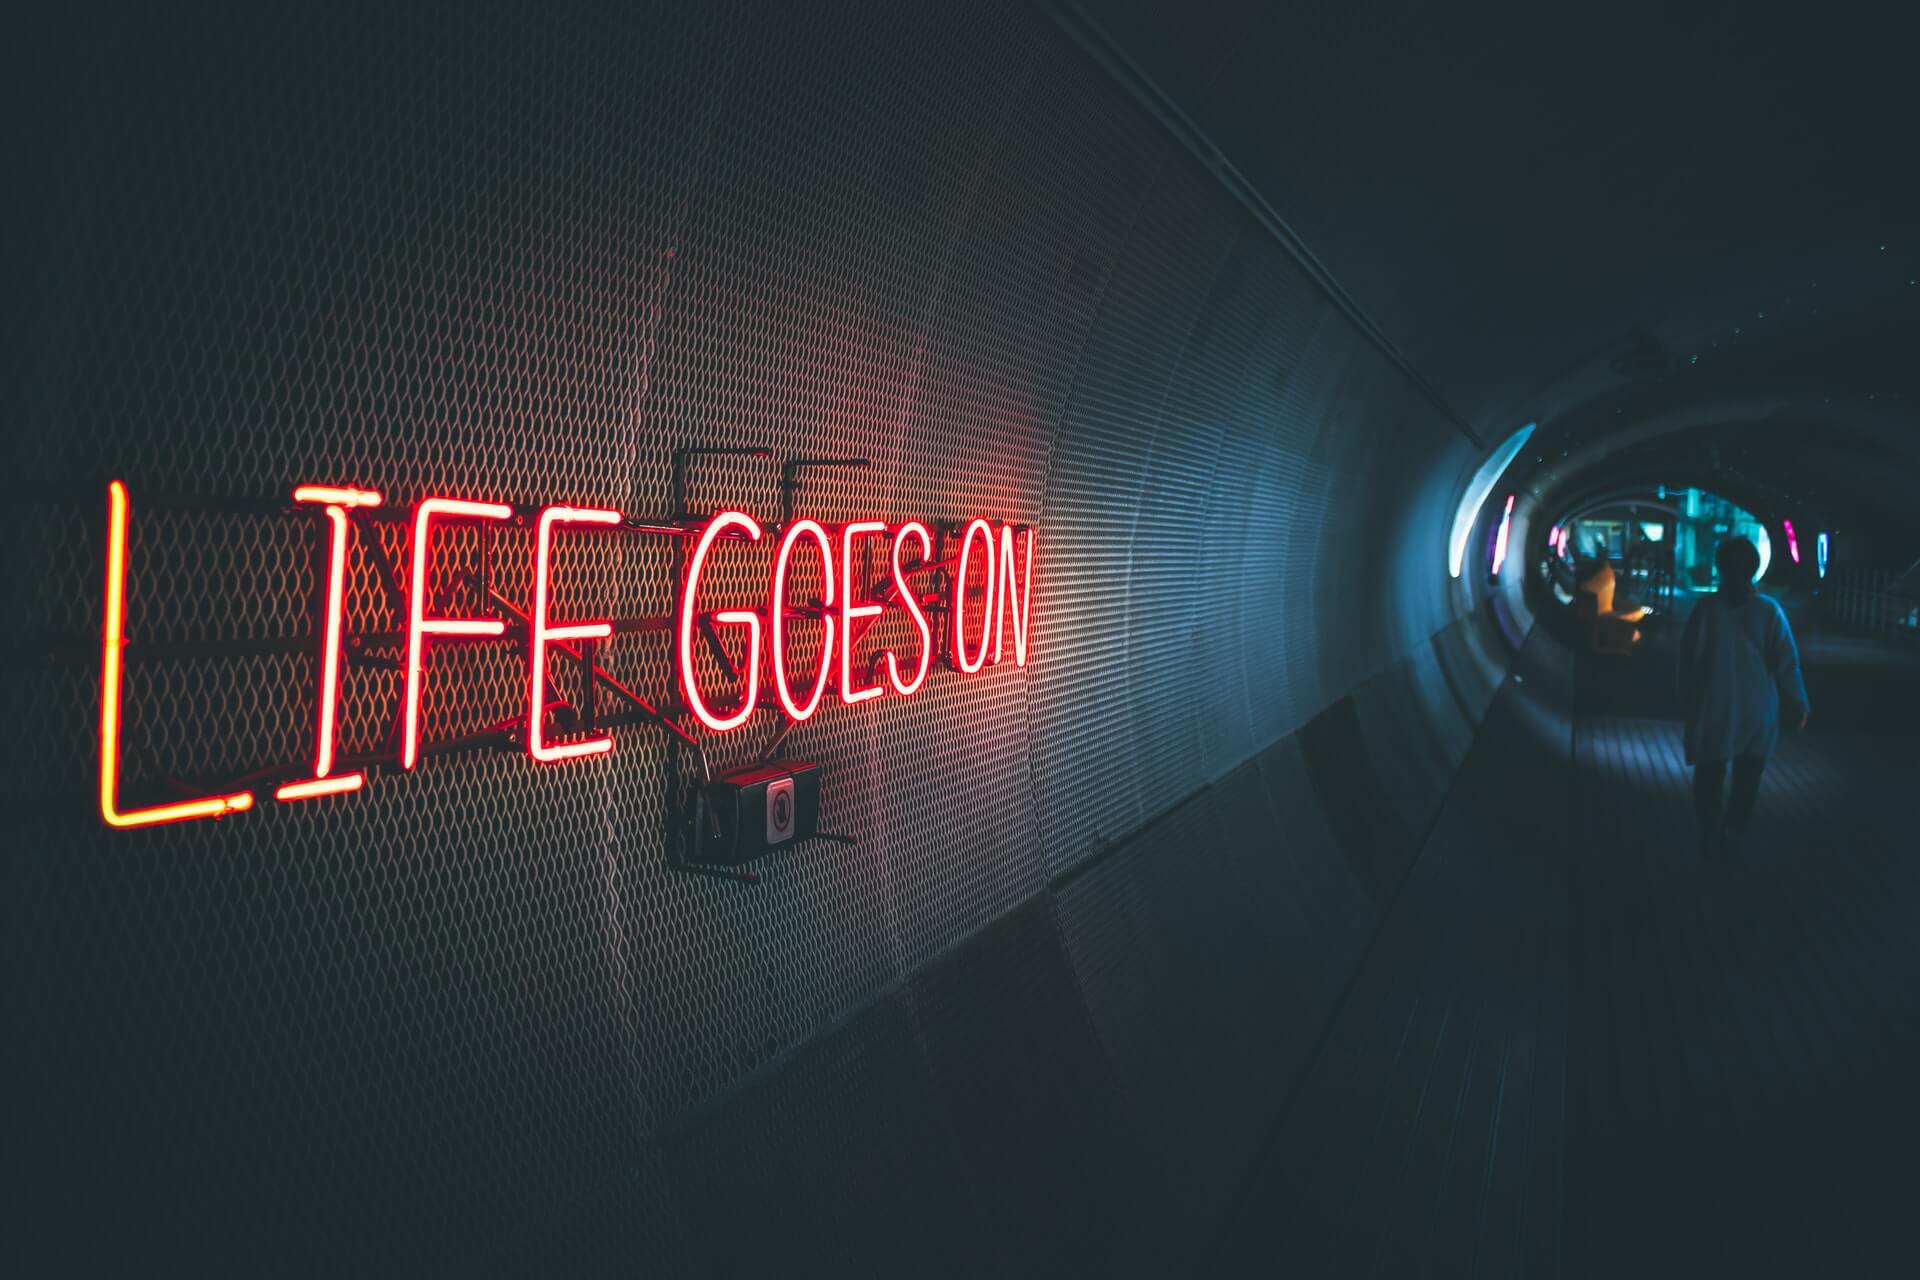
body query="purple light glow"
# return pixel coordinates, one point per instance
(1500, 541)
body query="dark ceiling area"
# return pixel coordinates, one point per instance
(1590, 218)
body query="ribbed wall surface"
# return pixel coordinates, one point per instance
(1099, 908)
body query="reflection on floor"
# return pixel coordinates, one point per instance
(1572, 1049)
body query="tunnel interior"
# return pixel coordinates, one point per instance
(1238, 856)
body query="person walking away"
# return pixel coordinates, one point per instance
(1739, 670)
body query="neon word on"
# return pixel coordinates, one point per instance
(965, 627)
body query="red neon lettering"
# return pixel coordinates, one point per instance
(849, 692)
(810, 529)
(112, 642)
(911, 599)
(1016, 598)
(321, 787)
(321, 784)
(338, 497)
(419, 626)
(689, 686)
(543, 634)
(960, 659)
(1007, 598)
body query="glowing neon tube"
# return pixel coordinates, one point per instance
(1016, 602)
(542, 633)
(969, 665)
(113, 640)
(683, 648)
(850, 691)
(419, 626)
(1478, 488)
(1500, 539)
(911, 603)
(338, 528)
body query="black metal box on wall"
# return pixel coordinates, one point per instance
(764, 807)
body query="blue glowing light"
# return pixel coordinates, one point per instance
(1476, 495)
(1500, 541)
(1820, 552)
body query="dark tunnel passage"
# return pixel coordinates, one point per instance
(712, 639)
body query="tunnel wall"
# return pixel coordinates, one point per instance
(1100, 906)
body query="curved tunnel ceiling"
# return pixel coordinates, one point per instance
(1676, 209)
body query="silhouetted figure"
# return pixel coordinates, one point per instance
(1738, 665)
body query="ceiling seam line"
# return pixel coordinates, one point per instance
(1074, 22)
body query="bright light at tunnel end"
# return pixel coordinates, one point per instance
(1476, 496)
(1500, 539)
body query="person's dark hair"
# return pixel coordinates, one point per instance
(1738, 560)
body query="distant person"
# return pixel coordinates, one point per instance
(1597, 580)
(1608, 617)
(1738, 668)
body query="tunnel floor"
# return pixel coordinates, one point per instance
(1574, 1049)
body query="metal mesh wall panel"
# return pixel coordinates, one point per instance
(525, 254)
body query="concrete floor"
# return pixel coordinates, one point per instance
(1573, 1049)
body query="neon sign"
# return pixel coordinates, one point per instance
(112, 643)
(981, 588)
(323, 782)
(796, 709)
(545, 633)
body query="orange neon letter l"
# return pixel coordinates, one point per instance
(113, 640)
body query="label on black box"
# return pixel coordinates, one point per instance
(780, 811)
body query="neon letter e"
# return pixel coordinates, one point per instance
(544, 633)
